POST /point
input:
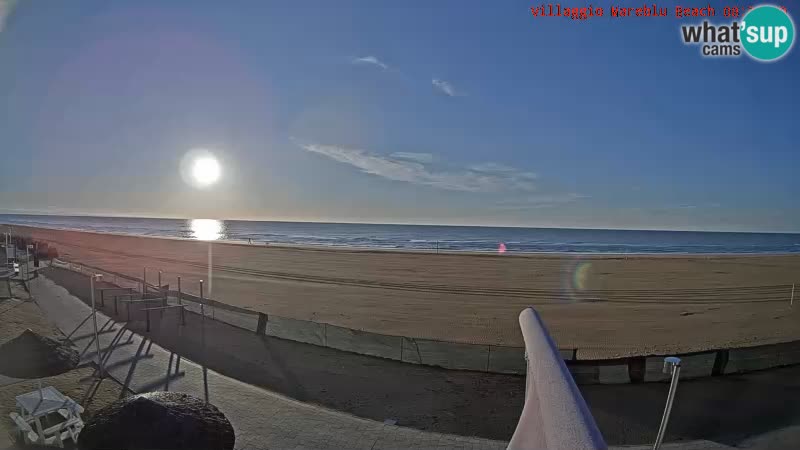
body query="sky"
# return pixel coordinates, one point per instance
(447, 112)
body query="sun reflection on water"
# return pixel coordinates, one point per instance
(207, 229)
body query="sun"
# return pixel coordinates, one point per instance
(205, 171)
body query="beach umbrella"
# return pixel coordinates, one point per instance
(31, 355)
(158, 420)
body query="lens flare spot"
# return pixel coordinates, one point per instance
(580, 276)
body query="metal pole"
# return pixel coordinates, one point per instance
(179, 291)
(791, 301)
(209, 278)
(203, 341)
(94, 319)
(144, 281)
(159, 279)
(671, 364)
(209, 269)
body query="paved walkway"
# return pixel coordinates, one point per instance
(262, 419)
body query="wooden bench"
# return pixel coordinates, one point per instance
(57, 433)
(24, 429)
(162, 308)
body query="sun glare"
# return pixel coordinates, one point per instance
(205, 171)
(206, 229)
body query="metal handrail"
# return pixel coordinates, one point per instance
(555, 416)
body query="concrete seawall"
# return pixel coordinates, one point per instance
(467, 356)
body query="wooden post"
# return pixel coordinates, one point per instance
(261, 328)
(94, 319)
(203, 342)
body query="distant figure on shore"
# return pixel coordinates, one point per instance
(249, 241)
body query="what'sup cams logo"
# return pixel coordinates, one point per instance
(765, 33)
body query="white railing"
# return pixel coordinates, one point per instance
(555, 416)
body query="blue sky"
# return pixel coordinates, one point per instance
(453, 112)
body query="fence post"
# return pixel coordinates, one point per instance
(262, 323)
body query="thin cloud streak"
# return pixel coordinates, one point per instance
(445, 87)
(424, 173)
(370, 60)
(539, 201)
(413, 156)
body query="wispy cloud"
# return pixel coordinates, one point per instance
(446, 87)
(5, 11)
(370, 60)
(539, 201)
(413, 156)
(421, 171)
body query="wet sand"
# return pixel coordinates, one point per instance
(605, 306)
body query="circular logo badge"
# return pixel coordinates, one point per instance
(767, 33)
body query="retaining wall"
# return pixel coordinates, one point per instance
(465, 356)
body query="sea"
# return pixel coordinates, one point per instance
(427, 237)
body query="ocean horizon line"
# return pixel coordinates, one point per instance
(335, 222)
(441, 238)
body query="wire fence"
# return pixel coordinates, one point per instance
(451, 355)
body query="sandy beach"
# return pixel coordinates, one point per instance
(605, 306)
(18, 314)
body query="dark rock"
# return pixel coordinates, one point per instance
(31, 355)
(158, 420)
